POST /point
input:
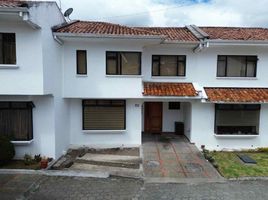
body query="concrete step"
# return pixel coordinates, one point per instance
(110, 160)
(115, 171)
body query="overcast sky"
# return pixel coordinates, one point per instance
(172, 12)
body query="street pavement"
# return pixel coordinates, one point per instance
(55, 187)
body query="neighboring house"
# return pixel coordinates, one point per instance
(102, 85)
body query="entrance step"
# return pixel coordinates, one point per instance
(115, 171)
(109, 160)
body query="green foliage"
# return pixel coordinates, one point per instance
(7, 150)
(28, 159)
(263, 149)
(37, 158)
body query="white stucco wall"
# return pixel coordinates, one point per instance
(27, 78)
(187, 113)
(131, 137)
(203, 130)
(170, 117)
(43, 126)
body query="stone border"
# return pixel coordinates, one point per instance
(265, 178)
(56, 173)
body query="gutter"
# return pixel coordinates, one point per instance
(238, 42)
(102, 36)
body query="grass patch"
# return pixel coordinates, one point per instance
(19, 164)
(230, 166)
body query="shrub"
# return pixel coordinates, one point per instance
(263, 149)
(7, 150)
(28, 160)
(37, 158)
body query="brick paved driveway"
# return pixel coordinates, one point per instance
(174, 157)
(34, 187)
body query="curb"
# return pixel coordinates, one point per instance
(70, 173)
(261, 178)
(184, 180)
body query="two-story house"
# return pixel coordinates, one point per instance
(97, 84)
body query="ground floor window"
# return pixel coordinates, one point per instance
(16, 120)
(104, 114)
(237, 119)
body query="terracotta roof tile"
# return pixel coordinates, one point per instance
(10, 3)
(236, 33)
(168, 89)
(173, 33)
(237, 95)
(93, 27)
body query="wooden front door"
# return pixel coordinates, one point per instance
(153, 117)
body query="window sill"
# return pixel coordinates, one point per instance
(237, 78)
(2, 66)
(103, 131)
(22, 142)
(81, 75)
(124, 76)
(168, 77)
(235, 136)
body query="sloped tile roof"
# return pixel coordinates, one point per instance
(93, 27)
(236, 33)
(173, 33)
(237, 95)
(10, 3)
(169, 89)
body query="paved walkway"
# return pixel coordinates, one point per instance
(31, 187)
(172, 156)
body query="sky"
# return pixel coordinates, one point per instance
(171, 12)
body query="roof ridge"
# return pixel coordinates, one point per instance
(232, 27)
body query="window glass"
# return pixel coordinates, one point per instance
(236, 66)
(7, 48)
(123, 63)
(130, 63)
(168, 66)
(81, 62)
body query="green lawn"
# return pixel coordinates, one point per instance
(230, 165)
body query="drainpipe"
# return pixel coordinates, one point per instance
(58, 40)
(202, 45)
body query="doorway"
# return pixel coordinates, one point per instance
(153, 117)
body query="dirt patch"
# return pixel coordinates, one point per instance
(19, 164)
(67, 160)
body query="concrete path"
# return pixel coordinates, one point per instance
(174, 157)
(52, 187)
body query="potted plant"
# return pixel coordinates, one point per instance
(43, 163)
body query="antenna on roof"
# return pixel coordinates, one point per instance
(68, 12)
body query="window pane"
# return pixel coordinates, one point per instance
(81, 62)
(16, 121)
(168, 66)
(239, 119)
(111, 67)
(7, 48)
(130, 63)
(251, 67)
(221, 68)
(155, 68)
(181, 69)
(236, 66)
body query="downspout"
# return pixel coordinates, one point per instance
(59, 41)
(201, 46)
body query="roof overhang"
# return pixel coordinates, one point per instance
(236, 95)
(262, 43)
(20, 14)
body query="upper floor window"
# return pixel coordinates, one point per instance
(7, 48)
(237, 66)
(168, 65)
(123, 63)
(81, 62)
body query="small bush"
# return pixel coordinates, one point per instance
(37, 158)
(28, 160)
(263, 149)
(7, 150)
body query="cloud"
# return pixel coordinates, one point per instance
(172, 12)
